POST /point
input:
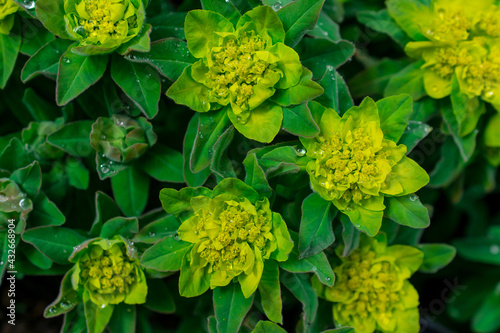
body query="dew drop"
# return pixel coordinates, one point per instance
(131, 56)
(277, 6)
(79, 30)
(490, 94)
(328, 279)
(152, 234)
(24, 204)
(330, 68)
(29, 4)
(300, 152)
(494, 249)
(104, 168)
(3, 197)
(177, 238)
(103, 306)
(348, 209)
(66, 60)
(413, 197)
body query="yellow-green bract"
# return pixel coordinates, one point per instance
(241, 69)
(108, 272)
(7, 9)
(372, 291)
(233, 232)
(355, 164)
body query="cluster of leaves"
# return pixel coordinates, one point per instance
(146, 128)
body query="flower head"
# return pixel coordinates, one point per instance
(109, 271)
(371, 290)
(233, 233)
(121, 138)
(7, 9)
(240, 69)
(355, 165)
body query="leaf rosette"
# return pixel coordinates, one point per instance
(232, 232)
(355, 160)
(7, 9)
(107, 271)
(243, 69)
(372, 291)
(121, 138)
(99, 26)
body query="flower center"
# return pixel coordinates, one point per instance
(111, 272)
(490, 23)
(237, 224)
(484, 77)
(450, 25)
(448, 59)
(342, 165)
(236, 69)
(101, 18)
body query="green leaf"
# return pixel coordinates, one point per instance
(108, 169)
(166, 255)
(161, 299)
(74, 321)
(192, 280)
(67, 299)
(326, 28)
(56, 243)
(130, 189)
(410, 15)
(267, 327)
(381, 21)
(33, 42)
(407, 210)
(436, 256)
(169, 56)
(140, 43)
(156, 230)
(368, 221)
(78, 175)
(74, 138)
(479, 249)
(410, 81)
(255, 176)
(449, 165)
(9, 44)
(298, 121)
(35, 257)
(76, 74)
(318, 264)
(29, 179)
(178, 202)
(51, 14)
(350, 235)
(394, 115)
(283, 160)
(301, 287)
(163, 164)
(304, 91)
(45, 212)
(230, 307)
(340, 330)
(199, 178)
(336, 94)
(374, 79)
(46, 60)
(167, 23)
(270, 292)
(316, 232)
(413, 134)
(140, 82)
(318, 55)
(123, 226)
(97, 316)
(105, 209)
(123, 319)
(210, 127)
(221, 165)
(39, 108)
(299, 17)
(187, 91)
(227, 8)
(486, 318)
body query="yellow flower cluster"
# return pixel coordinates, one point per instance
(108, 271)
(236, 68)
(228, 233)
(100, 18)
(343, 165)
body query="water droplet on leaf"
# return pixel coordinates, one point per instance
(300, 152)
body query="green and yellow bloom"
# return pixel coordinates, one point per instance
(7, 9)
(355, 165)
(372, 291)
(232, 231)
(107, 271)
(121, 138)
(455, 39)
(99, 26)
(241, 70)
